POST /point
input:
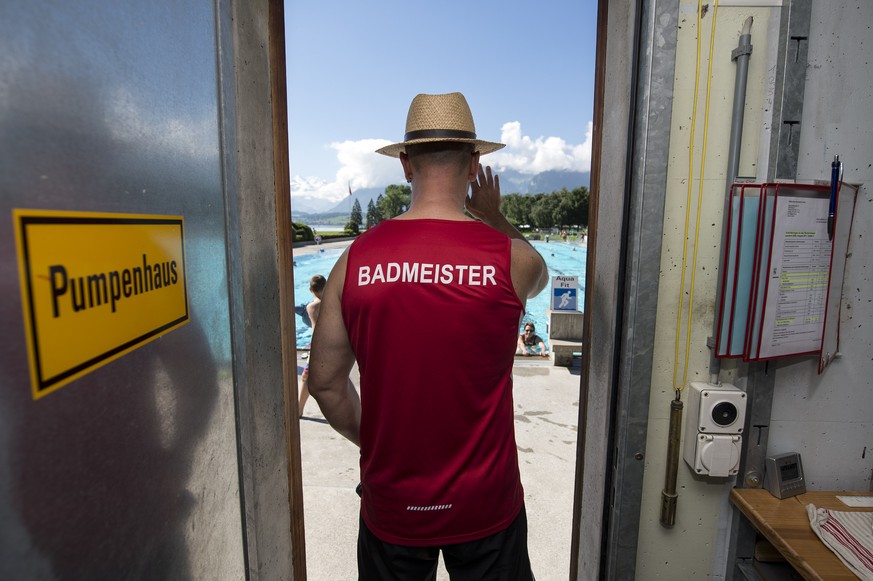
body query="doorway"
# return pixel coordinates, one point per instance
(328, 487)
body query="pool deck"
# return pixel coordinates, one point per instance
(546, 418)
(311, 248)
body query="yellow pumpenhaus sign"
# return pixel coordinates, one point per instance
(96, 286)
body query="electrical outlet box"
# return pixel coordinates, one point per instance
(713, 428)
(716, 455)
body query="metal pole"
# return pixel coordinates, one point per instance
(668, 495)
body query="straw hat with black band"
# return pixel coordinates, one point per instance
(439, 118)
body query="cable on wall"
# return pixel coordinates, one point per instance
(679, 386)
(669, 496)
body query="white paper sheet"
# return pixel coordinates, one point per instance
(797, 279)
(857, 500)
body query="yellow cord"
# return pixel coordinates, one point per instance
(678, 388)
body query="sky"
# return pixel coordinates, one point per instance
(353, 67)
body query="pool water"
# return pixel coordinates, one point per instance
(562, 260)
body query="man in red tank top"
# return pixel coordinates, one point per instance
(434, 421)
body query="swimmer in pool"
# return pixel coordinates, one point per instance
(529, 343)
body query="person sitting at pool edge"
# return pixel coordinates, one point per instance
(529, 343)
(316, 287)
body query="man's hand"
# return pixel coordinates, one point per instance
(485, 204)
(529, 272)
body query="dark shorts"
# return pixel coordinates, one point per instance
(502, 556)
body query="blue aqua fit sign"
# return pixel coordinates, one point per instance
(565, 290)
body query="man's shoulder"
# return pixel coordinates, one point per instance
(523, 249)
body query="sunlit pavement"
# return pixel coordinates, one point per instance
(546, 418)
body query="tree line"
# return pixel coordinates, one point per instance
(561, 208)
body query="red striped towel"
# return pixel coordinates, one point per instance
(848, 534)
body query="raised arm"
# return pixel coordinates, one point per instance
(529, 271)
(331, 360)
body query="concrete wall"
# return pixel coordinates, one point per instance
(686, 551)
(826, 418)
(829, 418)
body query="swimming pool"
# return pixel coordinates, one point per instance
(562, 260)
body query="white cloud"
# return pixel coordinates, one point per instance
(527, 155)
(362, 167)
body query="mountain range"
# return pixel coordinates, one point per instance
(511, 182)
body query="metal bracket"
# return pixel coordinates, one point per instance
(790, 84)
(740, 51)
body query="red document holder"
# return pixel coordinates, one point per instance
(781, 284)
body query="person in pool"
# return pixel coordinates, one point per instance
(529, 343)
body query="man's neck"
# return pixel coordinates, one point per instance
(436, 199)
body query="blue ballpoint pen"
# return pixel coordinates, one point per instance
(836, 170)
